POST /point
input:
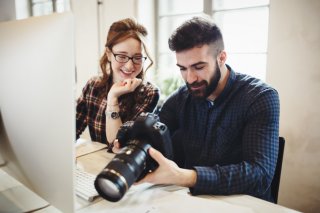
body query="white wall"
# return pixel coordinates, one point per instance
(92, 24)
(146, 16)
(114, 10)
(294, 69)
(86, 39)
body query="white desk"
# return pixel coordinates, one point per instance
(149, 198)
(15, 197)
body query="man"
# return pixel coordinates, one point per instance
(224, 125)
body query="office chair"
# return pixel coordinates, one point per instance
(276, 179)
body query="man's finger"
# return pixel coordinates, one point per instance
(156, 155)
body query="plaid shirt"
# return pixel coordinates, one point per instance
(91, 109)
(232, 143)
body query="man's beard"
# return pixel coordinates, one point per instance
(207, 87)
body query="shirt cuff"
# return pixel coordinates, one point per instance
(206, 181)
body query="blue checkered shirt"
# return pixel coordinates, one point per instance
(232, 143)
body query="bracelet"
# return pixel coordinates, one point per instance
(112, 108)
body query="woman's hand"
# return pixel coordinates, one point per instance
(116, 146)
(121, 88)
(117, 89)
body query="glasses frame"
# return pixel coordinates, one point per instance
(144, 58)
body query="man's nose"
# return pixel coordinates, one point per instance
(191, 76)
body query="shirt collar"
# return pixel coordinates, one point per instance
(227, 88)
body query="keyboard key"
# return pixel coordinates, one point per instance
(85, 185)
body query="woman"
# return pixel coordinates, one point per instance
(121, 93)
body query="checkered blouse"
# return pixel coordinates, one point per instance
(91, 108)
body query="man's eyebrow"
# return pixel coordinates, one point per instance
(180, 66)
(193, 65)
(199, 63)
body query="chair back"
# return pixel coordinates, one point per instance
(276, 179)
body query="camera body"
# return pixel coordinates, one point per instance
(146, 129)
(133, 162)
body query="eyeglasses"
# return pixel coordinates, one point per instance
(138, 60)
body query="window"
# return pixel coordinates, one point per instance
(171, 13)
(244, 25)
(45, 7)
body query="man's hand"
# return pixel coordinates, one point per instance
(168, 172)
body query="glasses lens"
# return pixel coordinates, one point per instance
(122, 58)
(138, 60)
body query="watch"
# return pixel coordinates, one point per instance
(113, 115)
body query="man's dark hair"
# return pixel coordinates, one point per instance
(196, 32)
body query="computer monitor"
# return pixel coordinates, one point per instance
(37, 105)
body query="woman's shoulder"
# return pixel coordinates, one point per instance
(92, 85)
(149, 87)
(94, 81)
(148, 91)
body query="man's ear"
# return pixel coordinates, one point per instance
(222, 57)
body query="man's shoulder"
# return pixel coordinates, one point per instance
(177, 98)
(252, 86)
(180, 93)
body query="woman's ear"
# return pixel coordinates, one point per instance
(108, 52)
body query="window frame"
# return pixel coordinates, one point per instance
(209, 10)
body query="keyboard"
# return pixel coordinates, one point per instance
(85, 185)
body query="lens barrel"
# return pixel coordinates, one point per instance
(122, 171)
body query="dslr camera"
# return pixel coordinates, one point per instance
(133, 162)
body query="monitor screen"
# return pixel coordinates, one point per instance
(37, 105)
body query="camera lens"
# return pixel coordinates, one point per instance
(110, 187)
(122, 171)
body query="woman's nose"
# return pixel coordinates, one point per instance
(129, 66)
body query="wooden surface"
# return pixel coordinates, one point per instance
(151, 198)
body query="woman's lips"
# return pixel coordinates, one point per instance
(126, 74)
